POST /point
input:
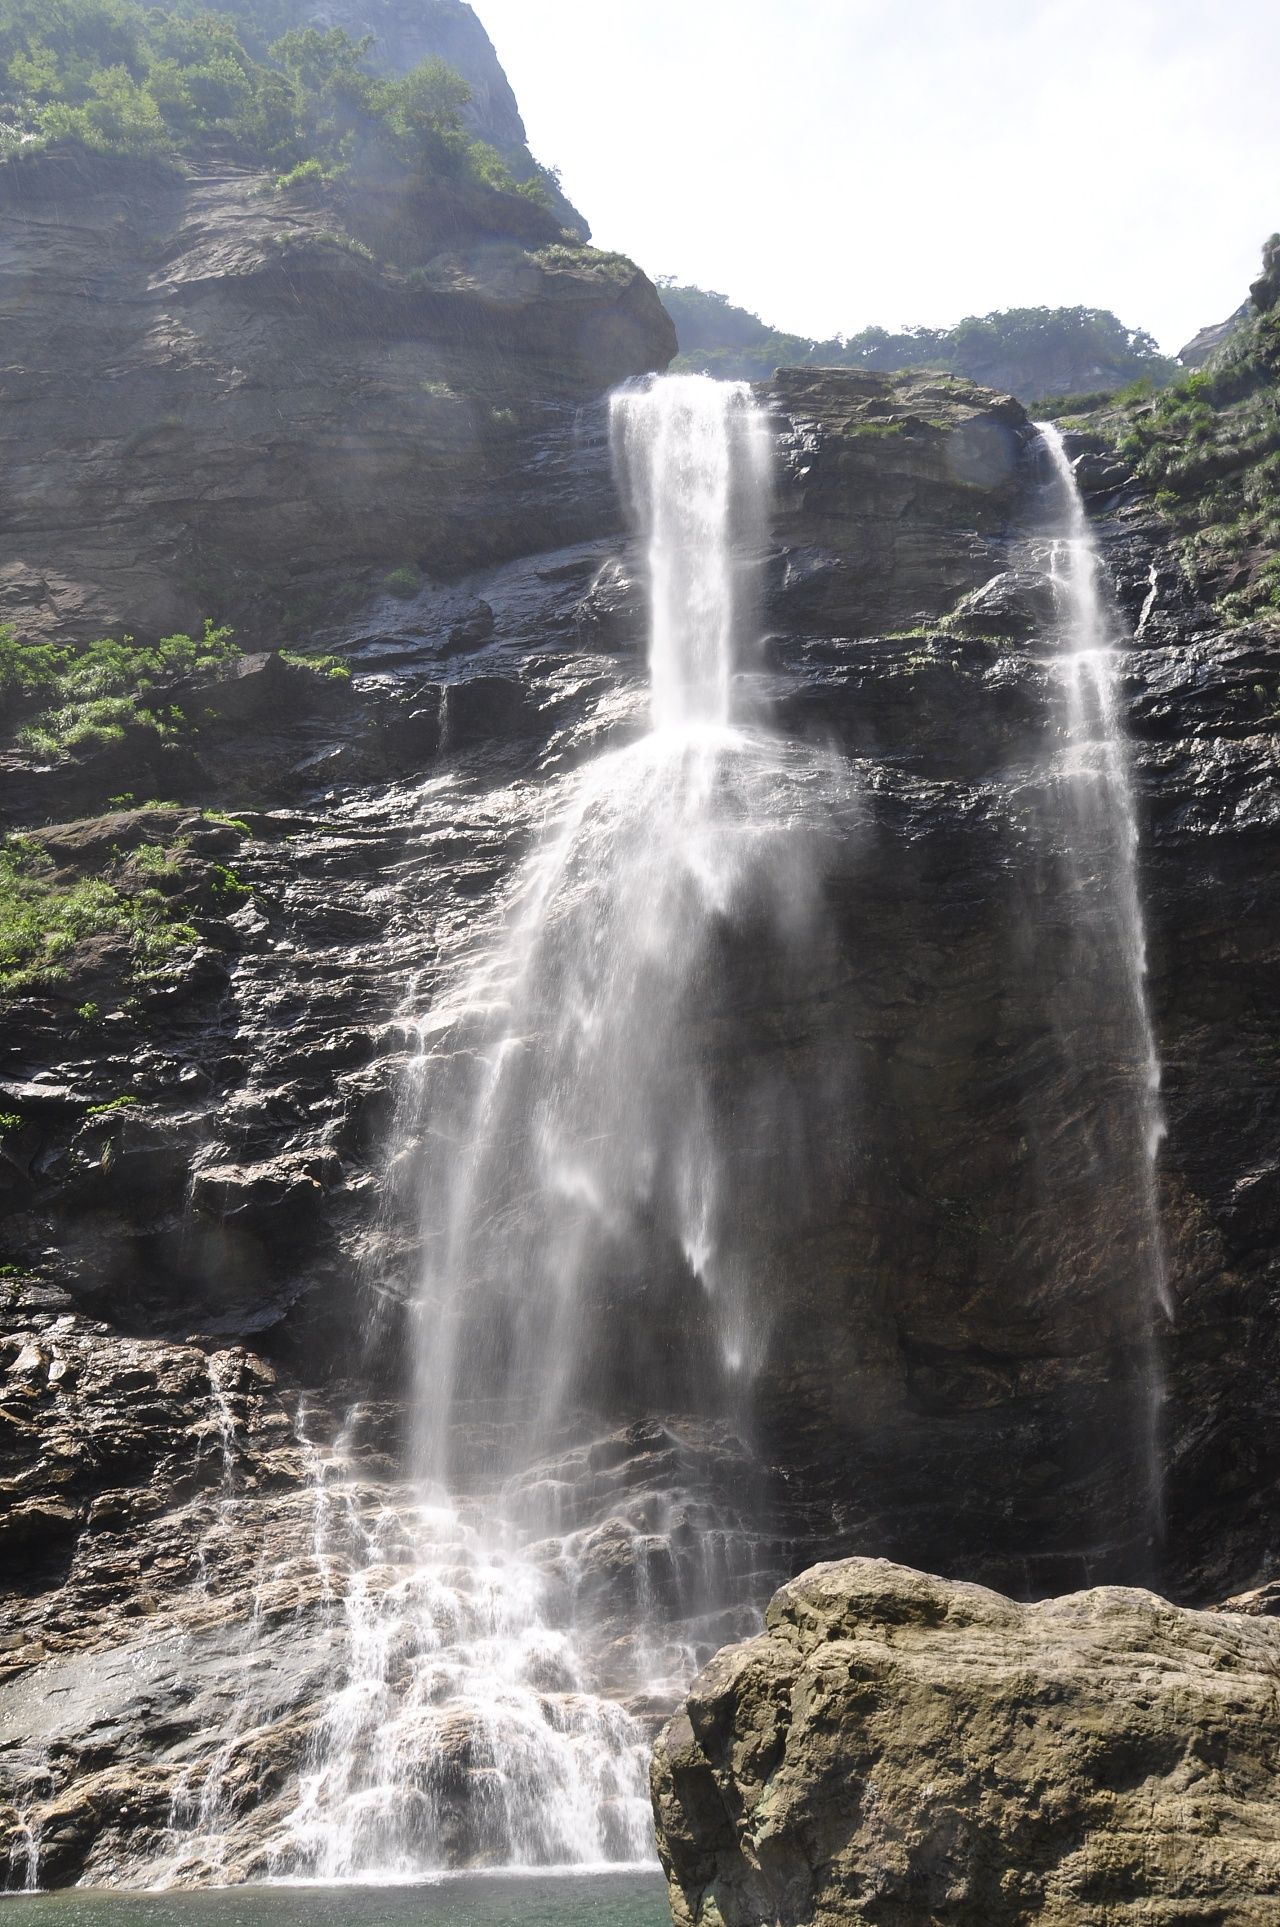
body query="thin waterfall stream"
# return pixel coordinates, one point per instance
(1105, 971)
(1102, 787)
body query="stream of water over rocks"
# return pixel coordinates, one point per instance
(574, 1129)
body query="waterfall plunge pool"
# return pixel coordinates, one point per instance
(632, 1897)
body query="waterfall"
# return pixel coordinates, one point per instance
(693, 456)
(604, 1174)
(1102, 795)
(1114, 1114)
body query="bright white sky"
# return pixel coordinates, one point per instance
(832, 163)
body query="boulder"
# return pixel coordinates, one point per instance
(906, 1750)
(1014, 603)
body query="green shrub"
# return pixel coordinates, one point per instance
(226, 886)
(305, 174)
(569, 254)
(404, 582)
(43, 917)
(155, 860)
(95, 695)
(331, 667)
(28, 669)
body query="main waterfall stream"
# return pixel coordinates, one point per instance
(427, 1637)
(601, 1177)
(1102, 992)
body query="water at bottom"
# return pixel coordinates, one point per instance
(621, 1898)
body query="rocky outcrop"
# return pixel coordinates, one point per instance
(241, 411)
(1206, 341)
(901, 493)
(897, 1748)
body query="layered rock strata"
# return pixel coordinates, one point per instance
(235, 407)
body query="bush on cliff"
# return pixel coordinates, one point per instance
(45, 916)
(1210, 447)
(115, 77)
(80, 699)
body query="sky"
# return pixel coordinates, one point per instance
(837, 163)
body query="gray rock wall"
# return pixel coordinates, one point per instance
(238, 410)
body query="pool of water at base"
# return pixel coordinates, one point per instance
(615, 1899)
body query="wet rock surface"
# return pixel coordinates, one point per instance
(959, 1373)
(897, 1748)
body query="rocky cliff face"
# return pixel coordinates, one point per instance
(236, 407)
(201, 1279)
(895, 1748)
(406, 32)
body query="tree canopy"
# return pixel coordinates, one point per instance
(1032, 351)
(115, 77)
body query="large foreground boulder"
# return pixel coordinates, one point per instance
(906, 1750)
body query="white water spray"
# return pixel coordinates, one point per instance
(604, 1174)
(1101, 792)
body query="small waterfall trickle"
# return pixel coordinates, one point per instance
(604, 1174)
(1104, 975)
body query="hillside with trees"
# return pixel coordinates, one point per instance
(1030, 352)
(184, 84)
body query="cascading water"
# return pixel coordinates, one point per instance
(604, 1174)
(1102, 791)
(1104, 974)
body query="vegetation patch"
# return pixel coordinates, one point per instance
(245, 83)
(616, 267)
(404, 582)
(332, 668)
(1209, 447)
(79, 700)
(868, 431)
(47, 914)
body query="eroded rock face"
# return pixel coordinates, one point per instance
(896, 1748)
(236, 407)
(407, 31)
